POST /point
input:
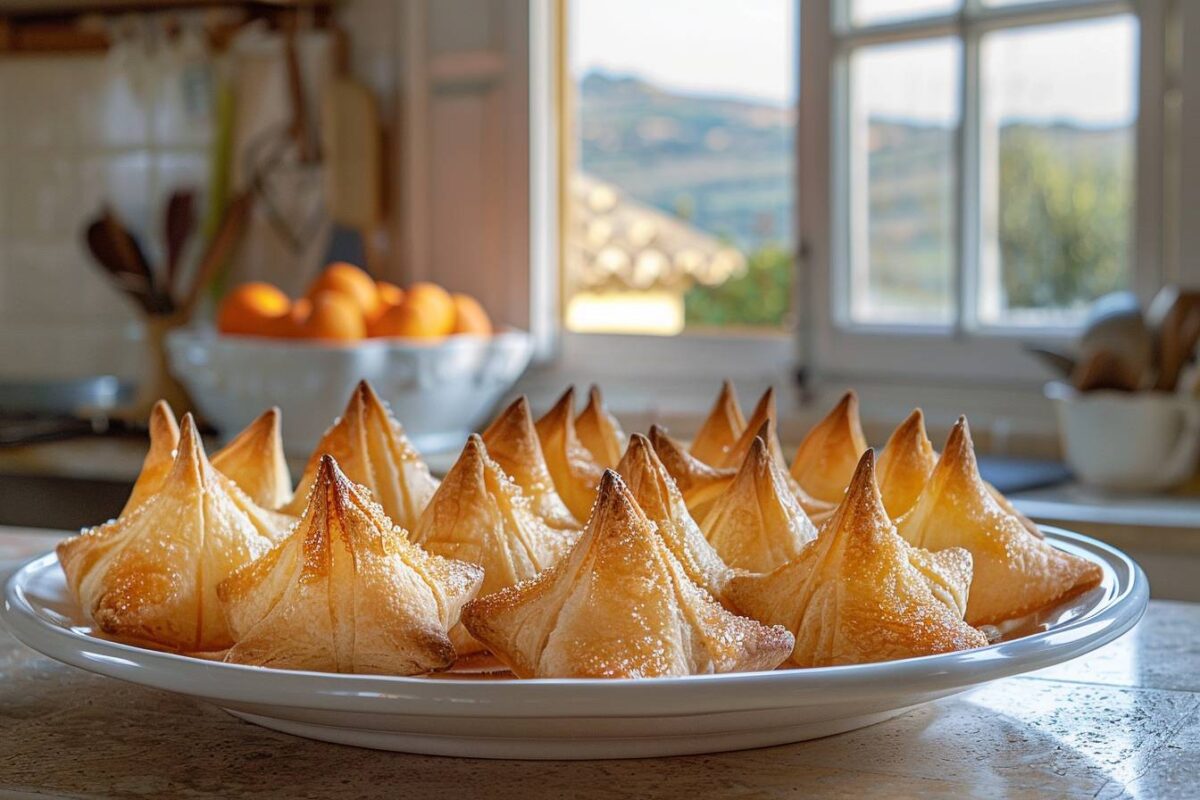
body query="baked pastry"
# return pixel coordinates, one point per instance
(830, 452)
(860, 593)
(619, 606)
(599, 432)
(480, 516)
(512, 442)
(757, 523)
(699, 483)
(347, 592)
(905, 464)
(371, 448)
(164, 440)
(721, 429)
(254, 460)
(656, 494)
(152, 574)
(1016, 573)
(573, 468)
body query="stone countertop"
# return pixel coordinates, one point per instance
(1123, 721)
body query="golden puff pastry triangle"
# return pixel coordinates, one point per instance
(757, 523)
(656, 494)
(254, 460)
(573, 468)
(152, 574)
(480, 516)
(764, 423)
(164, 439)
(699, 483)
(860, 593)
(347, 592)
(721, 429)
(830, 452)
(1015, 572)
(905, 464)
(619, 606)
(512, 442)
(599, 431)
(371, 448)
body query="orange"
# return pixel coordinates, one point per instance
(389, 294)
(253, 309)
(436, 308)
(351, 281)
(470, 317)
(414, 320)
(335, 316)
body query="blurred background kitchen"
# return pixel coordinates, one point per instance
(988, 207)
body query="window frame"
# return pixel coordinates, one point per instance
(966, 348)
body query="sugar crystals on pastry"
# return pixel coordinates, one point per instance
(721, 428)
(1015, 573)
(371, 448)
(699, 483)
(859, 593)
(164, 439)
(152, 574)
(656, 494)
(830, 451)
(254, 460)
(347, 592)
(905, 464)
(575, 471)
(480, 516)
(599, 432)
(620, 605)
(757, 523)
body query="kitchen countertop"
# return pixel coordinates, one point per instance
(1123, 721)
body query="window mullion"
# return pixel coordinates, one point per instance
(967, 189)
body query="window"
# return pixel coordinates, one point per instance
(680, 166)
(983, 162)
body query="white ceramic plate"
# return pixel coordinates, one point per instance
(575, 719)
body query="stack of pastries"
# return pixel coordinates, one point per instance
(565, 549)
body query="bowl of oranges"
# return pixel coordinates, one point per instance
(433, 355)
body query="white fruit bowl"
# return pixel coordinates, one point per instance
(439, 391)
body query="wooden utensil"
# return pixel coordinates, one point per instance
(1105, 369)
(233, 223)
(179, 224)
(1174, 317)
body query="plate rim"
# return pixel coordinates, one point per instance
(220, 682)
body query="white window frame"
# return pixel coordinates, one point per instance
(824, 346)
(966, 349)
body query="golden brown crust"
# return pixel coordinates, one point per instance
(1015, 572)
(757, 524)
(480, 516)
(699, 483)
(512, 442)
(573, 469)
(347, 592)
(655, 492)
(830, 452)
(254, 460)
(371, 448)
(164, 439)
(859, 593)
(721, 429)
(619, 606)
(599, 432)
(152, 574)
(905, 465)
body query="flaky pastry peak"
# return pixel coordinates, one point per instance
(721, 428)
(254, 460)
(699, 483)
(347, 592)
(620, 605)
(574, 470)
(370, 446)
(1015, 572)
(164, 439)
(830, 451)
(905, 465)
(860, 593)
(599, 432)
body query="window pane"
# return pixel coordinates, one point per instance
(1059, 104)
(681, 189)
(873, 12)
(904, 111)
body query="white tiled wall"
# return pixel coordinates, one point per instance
(76, 132)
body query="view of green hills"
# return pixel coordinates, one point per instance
(725, 165)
